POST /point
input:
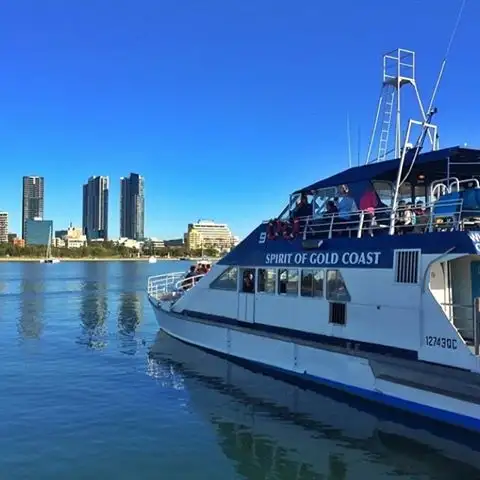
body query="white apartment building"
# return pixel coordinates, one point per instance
(3, 227)
(208, 234)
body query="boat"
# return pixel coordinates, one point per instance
(48, 255)
(255, 416)
(367, 282)
(152, 259)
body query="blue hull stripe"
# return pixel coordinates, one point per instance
(311, 382)
(325, 340)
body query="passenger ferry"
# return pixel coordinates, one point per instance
(368, 281)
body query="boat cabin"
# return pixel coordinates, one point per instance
(437, 191)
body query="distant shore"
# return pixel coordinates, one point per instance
(88, 259)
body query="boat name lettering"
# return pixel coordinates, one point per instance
(442, 342)
(475, 238)
(323, 258)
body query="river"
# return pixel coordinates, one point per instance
(90, 389)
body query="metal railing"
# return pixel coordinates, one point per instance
(447, 215)
(168, 286)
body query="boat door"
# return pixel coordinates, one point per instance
(475, 273)
(246, 296)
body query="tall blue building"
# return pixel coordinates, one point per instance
(95, 208)
(38, 232)
(132, 207)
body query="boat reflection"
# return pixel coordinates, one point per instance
(131, 308)
(272, 429)
(94, 306)
(32, 287)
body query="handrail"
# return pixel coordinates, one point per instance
(180, 284)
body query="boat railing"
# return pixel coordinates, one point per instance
(187, 283)
(169, 286)
(439, 216)
(160, 285)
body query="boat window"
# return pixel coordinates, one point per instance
(336, 288)
(227, 280)
(266, 280)
(248, 280)
(321, 198)
(405, 193)
(312, 283)
(384, 191)
(288, 281)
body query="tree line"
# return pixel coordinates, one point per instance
(103, 250)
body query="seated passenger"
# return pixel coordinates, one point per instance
(303, 208)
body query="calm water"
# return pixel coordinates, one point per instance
(89, 389)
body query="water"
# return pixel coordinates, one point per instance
(89, 389)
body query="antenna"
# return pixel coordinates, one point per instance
(447, 52)
(349, 142)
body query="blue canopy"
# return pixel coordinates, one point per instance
(431, 164)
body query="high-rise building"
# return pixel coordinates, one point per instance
(3, 227)
(95, 208)
(132, 207)
(33, 197)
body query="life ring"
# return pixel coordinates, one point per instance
(292, 229)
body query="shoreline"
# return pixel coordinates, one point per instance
(88, 259)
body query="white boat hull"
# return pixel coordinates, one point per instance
(308, 365)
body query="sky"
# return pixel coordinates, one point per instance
(225, 107)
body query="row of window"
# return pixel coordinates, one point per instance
(285, 281)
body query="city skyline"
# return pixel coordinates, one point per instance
(226, 122)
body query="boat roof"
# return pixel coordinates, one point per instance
(430, 164)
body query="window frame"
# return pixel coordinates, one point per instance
(327, 289)
(275, 281)
(214, 283)
(313, 272)
(287, 269)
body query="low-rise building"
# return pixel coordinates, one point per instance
(128, 243)
(3, 227)
(208, 234)
(73, 237)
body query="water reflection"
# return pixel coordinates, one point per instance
(32, 293)
(270, 429)
(131, 307)
(94, 306)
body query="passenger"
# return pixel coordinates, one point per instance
(248, 282)
(186, 284)
(422, 216)
(368, 203)
(409, 219)
(324, 222)
(345, 206)
(399, 217)
(303, 207)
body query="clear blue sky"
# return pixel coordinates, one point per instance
(223, 106)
